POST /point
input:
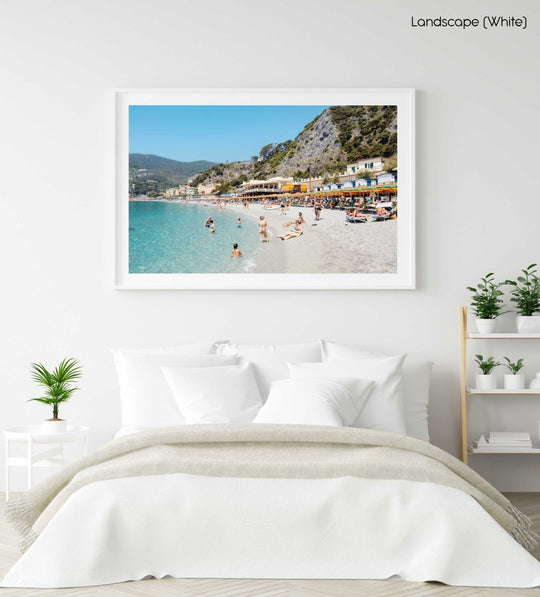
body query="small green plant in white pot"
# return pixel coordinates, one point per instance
(514, 380)
(525, 295)
(486, 380)
(486, 303)
(58, 386)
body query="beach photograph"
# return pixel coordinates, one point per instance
(270, 188)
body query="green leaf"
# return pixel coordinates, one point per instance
(58, 385)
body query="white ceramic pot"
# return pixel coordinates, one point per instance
(528, 324)
(54, 426)
(535, 382)
(486, 326)
(514, 382)
(486, 382)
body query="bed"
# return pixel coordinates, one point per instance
(302, 461)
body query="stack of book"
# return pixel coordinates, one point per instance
(504, 441)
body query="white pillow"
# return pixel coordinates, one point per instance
(316, 401)
(146, 399)
(416, 382)
(384, 407)
(269, 361)
(220, 395)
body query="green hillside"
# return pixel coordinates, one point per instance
(338, 136)
(150, 173)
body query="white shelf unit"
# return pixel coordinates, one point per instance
(465, 392)
(508, 451)
(501, 392)
(500, 336)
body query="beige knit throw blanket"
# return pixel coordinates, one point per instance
(271, 451)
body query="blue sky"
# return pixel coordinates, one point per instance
(215, 133)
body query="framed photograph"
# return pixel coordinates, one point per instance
(265, 188)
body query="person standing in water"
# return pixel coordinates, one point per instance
(236, 251)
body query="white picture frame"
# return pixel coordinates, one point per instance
(404, 99)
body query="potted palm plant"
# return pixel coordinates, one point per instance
(514, 380)
(486, 303)
(486, 380)
(525, 295)
(58, 388)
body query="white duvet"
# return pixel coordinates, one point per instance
(185, 526)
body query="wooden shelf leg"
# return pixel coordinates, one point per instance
(463, 384)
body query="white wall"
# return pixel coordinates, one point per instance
(477, 101)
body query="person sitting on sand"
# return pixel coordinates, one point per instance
(236, 251)
(300, 219)
(208, 222)
(297, 231)
(263, 234)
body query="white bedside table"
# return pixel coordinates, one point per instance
(33, 435)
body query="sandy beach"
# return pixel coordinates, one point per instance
(330, 245)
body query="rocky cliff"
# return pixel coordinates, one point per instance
(340, 135)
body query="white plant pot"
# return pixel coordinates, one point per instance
(514, 382)
(50, 426)
(528, 324)
(535, 382)
(486, 326)
(486, 382)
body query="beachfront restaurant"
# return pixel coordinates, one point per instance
(273, 185)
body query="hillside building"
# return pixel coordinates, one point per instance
(373, 164)
(206, 188)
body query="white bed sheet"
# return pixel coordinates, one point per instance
(195, 526)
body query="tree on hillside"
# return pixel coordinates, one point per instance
(390, 164)
(224, 187)
(367, 174)
(266, 151)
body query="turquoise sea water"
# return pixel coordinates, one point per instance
(170, 238)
